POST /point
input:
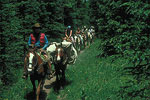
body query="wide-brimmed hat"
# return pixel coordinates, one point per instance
(36, 25)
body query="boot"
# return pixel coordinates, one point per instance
(25, 75)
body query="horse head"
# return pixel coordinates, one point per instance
(59, 53)
(32, 62)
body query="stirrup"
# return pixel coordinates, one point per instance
(24, 77)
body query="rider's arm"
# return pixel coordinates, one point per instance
(66, 33)
(70, 33)
(46, 43)
(29, 41)
(76, 32)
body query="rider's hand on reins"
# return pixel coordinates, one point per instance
(41, 50)
(31, 46)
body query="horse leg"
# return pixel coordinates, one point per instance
(38, 89)
(84, 43)
(57, 75)
(33, 83)
(57, 80)
(63, 76)
(56, 72)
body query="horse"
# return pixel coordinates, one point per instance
(84, 40)
(36, 69)
(60, 64)
(77, 43)
(71, 39)
(90, 38)
(81, 41)
(92, 32)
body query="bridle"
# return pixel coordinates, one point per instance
(33, 67)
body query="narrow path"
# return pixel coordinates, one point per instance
(47, 87)
(48, 84)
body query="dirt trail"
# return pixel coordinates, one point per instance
(47, 88)
(48, 84)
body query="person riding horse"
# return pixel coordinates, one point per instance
(68, 33)
(78, 33)
(84, 30)
(38, 40)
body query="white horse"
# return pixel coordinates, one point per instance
(92, 31)
(77, 43)
(69, 49)
(90, 37)
(51, 50)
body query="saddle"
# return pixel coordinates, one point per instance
(39, 52)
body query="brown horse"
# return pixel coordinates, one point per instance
(60, 63)
(36, 69)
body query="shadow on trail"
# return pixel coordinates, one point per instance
(60, 85)
(32, 96)
(56, 86)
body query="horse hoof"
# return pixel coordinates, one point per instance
(24, 77)
(61, 88)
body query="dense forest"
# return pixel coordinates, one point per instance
(122, 25)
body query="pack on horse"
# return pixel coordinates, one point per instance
(36, 69)
(60, 63)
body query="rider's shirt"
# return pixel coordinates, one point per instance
(78, 32)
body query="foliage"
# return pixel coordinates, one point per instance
(124, 28)
(16, 21)
(91, 78)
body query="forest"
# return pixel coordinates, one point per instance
(123, 26)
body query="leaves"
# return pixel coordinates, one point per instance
(124, 28)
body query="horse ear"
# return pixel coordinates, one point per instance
(56, 45)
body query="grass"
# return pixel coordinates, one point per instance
(90, 78)
(18, 90)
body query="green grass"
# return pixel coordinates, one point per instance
(90, 78)
(18, 90)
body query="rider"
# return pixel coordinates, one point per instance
(68, 33)
(84, 30)
(78, 31)
(39, 40)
